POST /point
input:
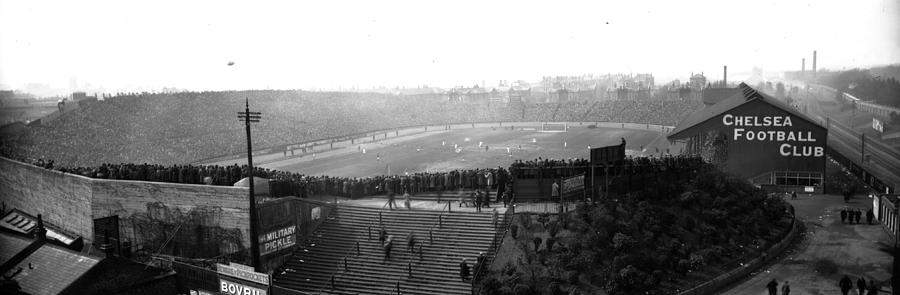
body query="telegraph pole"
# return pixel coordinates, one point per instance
(253, 117)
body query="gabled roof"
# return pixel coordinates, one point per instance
(49, 270)
(745, 95)
(42, 268)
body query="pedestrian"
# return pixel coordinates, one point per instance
(505, 199)
(477, 196)
(411, 242)
(554, 192)
(382, 235)
(494, 214)
(845, 285)
(464, 270)
(793, 195)
(462, 199)
(873, 288)
(858, 215)
(869, 216)
(387, 247)
(844, 215)
(391, 202)
(772, 286)
(861, 285)
(786, 288)
(406, 201)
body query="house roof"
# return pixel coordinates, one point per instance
(745, 95)
(42, 268)
(50, 269)
(22, 222)
(11, 244)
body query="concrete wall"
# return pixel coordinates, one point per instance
(206, 221)
(63, 200)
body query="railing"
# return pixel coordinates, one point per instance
(500, 230)
(343, 264)
(431, 230)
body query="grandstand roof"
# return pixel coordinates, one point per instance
(745, 95)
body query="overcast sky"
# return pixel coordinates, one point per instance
(328, 44)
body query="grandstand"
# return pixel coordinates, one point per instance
(443, 238)
(168, 131)
(178, 128)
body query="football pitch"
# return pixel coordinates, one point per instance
(444, 150)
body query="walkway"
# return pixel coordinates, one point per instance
(828, 250)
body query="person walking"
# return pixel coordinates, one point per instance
(478, 199)
(382, 235)
(858, 214)
(845, 285)
(861, 285)
(391, 202)
(406, 201)
(554, 192)
(772, 286)
(844, 215)
(387, 247)
(793, 195)
(873, 288)
(505, 199)
(411, 242)
(870, 216)
(462, 199)
(786, 288)
(463, 270)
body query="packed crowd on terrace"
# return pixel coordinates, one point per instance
(184, 127)
(284, 183)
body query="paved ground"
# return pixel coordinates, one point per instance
(828, 250)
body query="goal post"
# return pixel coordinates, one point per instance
(554, 127)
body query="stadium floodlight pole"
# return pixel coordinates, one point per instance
(251, 117)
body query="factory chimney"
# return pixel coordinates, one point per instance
(725, 75)
(814, 63)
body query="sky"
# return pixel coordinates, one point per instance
(145, 45)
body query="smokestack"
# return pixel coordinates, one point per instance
(725, 75)
(814, 63)
(803, 66)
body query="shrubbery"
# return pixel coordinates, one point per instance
(638, 242)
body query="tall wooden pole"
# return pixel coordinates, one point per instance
(254, 235)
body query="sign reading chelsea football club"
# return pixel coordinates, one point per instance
(795, 143)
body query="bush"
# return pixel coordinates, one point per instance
(553, 228)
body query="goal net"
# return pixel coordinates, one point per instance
(554, 127)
